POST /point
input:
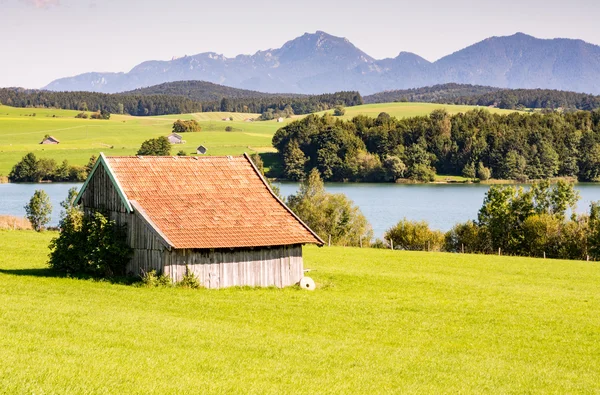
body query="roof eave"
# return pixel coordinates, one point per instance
(102, 160)
(320, 241)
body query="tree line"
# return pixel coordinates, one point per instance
(91, 101)
(538, 221)
(32, 169)
(147, 105)
(478, 95)
(532, 98)
(275, 106)
(475, 144)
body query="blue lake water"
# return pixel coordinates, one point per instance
(442, 205)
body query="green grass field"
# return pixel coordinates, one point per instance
(380, 322)
(405, 110)
(20, 132)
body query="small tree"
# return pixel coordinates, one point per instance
(39, 210)
(415, 236)
(26, 170)
(191, 125)
(155, 147)
(483, 173)
(90, 245)
(469, 170)
(330, 214)
(339, 111)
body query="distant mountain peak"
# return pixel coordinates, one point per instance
(320, 62)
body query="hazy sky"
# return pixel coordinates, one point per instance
(41, 40)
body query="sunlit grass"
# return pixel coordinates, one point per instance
(380, 322)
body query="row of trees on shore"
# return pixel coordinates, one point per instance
(538, 221)
(477, 143)
(33, 169)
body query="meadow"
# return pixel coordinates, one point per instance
(380, 321)
(21, 132)
(405, 110)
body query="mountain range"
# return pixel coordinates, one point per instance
(319, 63)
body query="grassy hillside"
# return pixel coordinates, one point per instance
(121, 135)
(380, 322)
(20, 132)
(405, 110)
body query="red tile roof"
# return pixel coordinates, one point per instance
(209, 202)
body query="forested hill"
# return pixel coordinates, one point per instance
(270, 106)
(531, 98)
(444, 93)
(202, 91)
(490, 96)
(216, 97)
(92, 101)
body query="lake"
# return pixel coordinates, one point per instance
(442, 205)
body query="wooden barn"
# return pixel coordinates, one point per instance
(215, 216)
(201, 150)
(175, 138)
(50, 140)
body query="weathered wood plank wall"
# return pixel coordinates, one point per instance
(258, 267)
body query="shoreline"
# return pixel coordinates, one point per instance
(4, 180)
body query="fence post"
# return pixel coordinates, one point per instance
(329, 245)
(463, 247)
(499, 251)
(544, 254)
(428, 247)
(391, 244)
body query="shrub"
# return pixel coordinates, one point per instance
(339, 111)
(189, 280)
(153, 280)
(82, 115)
(330, 214)
(90, 245)
(228, 129)
(415, 236)
(155, 147)
(465, 237)
(191, 125)
(483, 173)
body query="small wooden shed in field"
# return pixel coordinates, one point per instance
(201, 150)
(175, 138)
(50, 140)
(215, 216)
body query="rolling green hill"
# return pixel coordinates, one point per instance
(405, 110)
(379, 322)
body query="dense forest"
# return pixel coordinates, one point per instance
(443, 93)
(488, 96)
(532, 98)
(91, 101)
(202, 91)
(270, 106)
(476, 144)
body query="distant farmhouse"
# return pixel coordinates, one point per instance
(214, 216)
(280, 119)
(201, 150)
(50, 140)
(175, 138)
